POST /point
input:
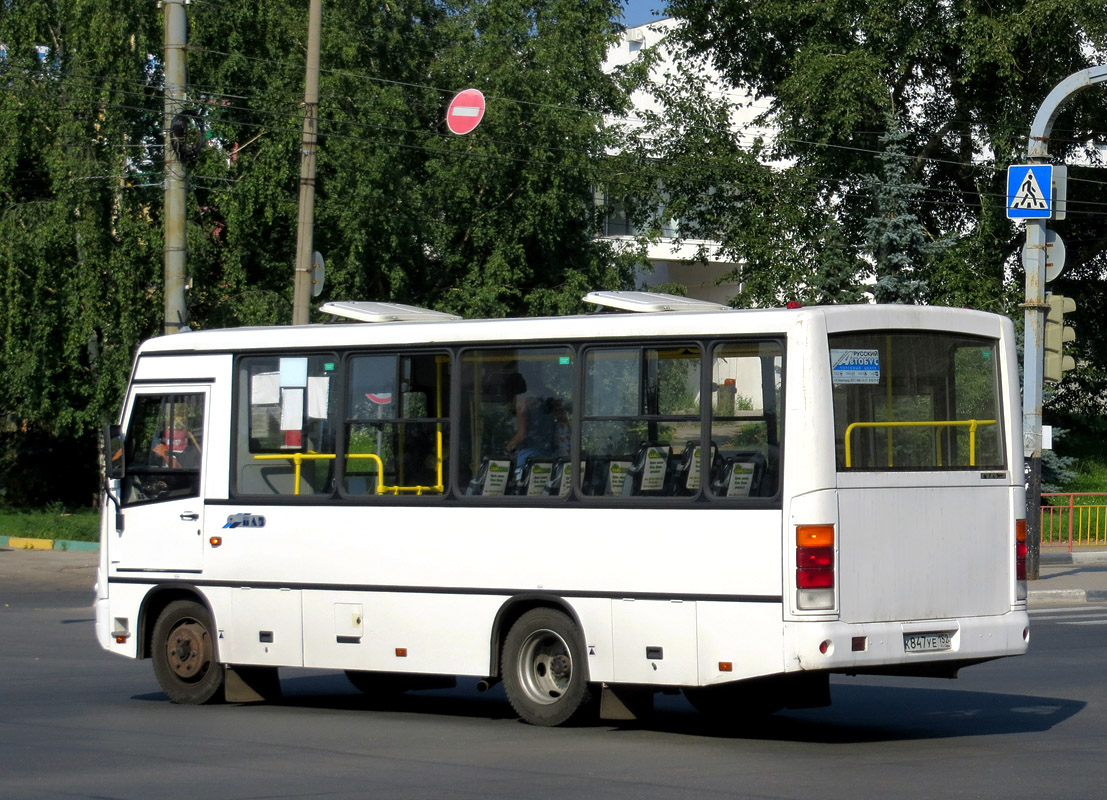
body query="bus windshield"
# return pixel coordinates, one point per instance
(916, 400)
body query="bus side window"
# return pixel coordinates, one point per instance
(641, 406)
(286, 421)
(163, 447)
(516, 422)
(746, 384)
(397, 425)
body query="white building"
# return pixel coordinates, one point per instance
(671, 261)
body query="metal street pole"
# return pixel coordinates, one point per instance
(301, 289)
(176, 76)
(1035, 264)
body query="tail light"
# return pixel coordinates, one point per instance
(1020, 559)
(815, 566)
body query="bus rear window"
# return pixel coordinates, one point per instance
(916, 400)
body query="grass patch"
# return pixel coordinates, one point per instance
(51, 523)
(1091, 477)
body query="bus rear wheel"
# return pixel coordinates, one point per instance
(544, 671)
(184, 657)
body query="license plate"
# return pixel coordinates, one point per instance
(927, 642)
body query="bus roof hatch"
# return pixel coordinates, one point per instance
(651, 301)
(363, 311)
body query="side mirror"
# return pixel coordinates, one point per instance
(113, 452)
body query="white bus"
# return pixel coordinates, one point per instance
(736, 504)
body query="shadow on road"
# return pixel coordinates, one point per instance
(860, 713)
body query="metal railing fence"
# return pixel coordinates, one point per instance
(1074, 519)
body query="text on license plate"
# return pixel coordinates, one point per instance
(927, 642)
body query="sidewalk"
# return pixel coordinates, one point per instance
(1077, 577)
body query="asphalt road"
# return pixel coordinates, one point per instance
(76, 722)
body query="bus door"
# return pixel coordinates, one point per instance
(161, 495)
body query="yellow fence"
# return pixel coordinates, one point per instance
(1072, 520)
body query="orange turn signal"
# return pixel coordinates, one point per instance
(216, 541)
(814, 535)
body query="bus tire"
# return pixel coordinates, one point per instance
(183, 650)
(544, 669)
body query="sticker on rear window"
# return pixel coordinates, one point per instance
(855, 366)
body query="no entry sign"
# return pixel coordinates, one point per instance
(465, 112)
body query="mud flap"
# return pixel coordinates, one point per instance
(625, 702)
(251, 684)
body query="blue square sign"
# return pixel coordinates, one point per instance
(1030, 191)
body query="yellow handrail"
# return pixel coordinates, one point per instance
(299, 458)
(971, 424)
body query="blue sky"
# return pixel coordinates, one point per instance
(639, 12)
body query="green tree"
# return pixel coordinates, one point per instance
(692, 170)
(497, 222)
(79, 245)
(966, 78)
(901, 248)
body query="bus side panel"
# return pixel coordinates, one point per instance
(747, 636)
(399, 631)
(261, 627)
(646, 584)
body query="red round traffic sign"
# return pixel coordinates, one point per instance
(465, 112)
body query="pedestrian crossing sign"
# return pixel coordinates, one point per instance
(1030, 191)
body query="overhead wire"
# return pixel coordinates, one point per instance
(146, 88)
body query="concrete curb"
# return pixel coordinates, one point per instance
(1068, 596)
(1090, 557)
(25, 543)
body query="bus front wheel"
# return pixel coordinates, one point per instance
(544, 671)
(184, 654)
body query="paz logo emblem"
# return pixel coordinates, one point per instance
(245, 521)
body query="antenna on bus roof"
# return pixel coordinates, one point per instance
(651, 301)
(363, 311)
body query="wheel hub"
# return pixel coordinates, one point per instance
(546, 667)
(189, 651)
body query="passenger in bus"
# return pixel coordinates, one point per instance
(535, 422)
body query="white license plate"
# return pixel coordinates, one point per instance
(927, 642)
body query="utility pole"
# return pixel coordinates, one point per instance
(176, 244)
(1034, 261)
(301, 289)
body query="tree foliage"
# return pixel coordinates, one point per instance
(498, 222)
(963, 78)
(79, 246)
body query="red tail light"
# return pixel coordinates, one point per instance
(815, 566)
(1020, 549)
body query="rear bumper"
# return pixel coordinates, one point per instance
(881, 647)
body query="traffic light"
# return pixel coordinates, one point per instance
(1056, 334)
